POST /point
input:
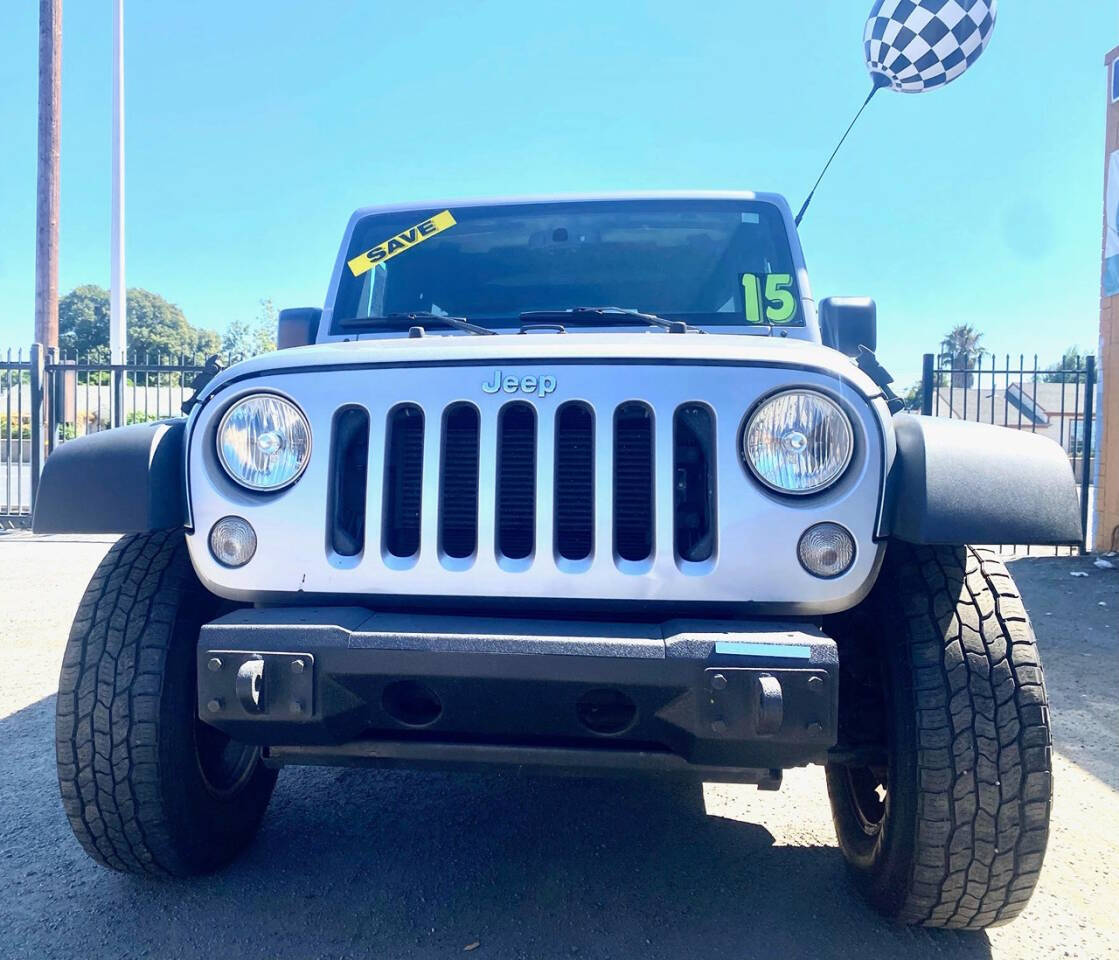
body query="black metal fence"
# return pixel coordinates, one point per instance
(48, 398)
(87, 395)
(19, 436)
(1057, 402)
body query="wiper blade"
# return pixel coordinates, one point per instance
(419, 318)
(604, 313)
(422, 318)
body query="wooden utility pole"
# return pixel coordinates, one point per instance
(47, 206)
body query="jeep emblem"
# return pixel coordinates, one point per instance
(540, 385)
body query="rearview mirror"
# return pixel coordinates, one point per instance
(297, 327)
(846, 323)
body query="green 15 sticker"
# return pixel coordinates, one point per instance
(769, 298)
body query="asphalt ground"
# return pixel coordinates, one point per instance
(356, 863)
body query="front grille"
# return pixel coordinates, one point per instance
(603, 492)
(404, 461)
(458, 487)
(633, 481)
(574, 504)
(349, 460)
(693, 482)
(516, 481)
(482, 507)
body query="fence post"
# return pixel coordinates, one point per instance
(36, 418)
(1086, 458)
(927, 378)
(118, 394)
(50, 379)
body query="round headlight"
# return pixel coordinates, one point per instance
(264, 442)
(798, 442)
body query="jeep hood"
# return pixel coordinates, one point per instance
(539, 350)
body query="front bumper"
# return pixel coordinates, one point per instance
(721, 700)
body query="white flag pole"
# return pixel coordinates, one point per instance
(118, 335)
(118, 341)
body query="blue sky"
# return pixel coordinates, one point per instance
(254, 129)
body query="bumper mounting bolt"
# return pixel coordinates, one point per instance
(297, 666)
(213, 664)
(815, 683)
(815, 728)
(719, 726)
(214, 705)
(296, 706)
(718, 682)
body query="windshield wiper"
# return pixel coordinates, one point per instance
(575, 314)
(419, 318)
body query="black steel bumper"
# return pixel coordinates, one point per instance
(721, 700)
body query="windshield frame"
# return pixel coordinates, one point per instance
(342, 329)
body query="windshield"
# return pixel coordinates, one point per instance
(707, 262)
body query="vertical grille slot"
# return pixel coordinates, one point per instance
(458, 488)
(349, 461)
(633, 481)
(574, 491)
(516, 480)
(404, 460)
(693, 482)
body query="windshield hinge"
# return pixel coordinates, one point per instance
(213, 366)
(868, 363)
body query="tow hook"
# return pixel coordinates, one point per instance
(243, 684)
(249, 684)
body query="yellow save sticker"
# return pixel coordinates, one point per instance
(404, 240)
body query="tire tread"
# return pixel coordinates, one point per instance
(122, 766)
(984, 751)
(107, 721)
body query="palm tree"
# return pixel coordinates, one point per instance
(960, 350)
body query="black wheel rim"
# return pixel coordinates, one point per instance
(224, 763)
(868, 790)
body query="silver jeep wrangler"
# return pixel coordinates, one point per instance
(586, 484)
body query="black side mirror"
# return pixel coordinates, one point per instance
(847, 323)
(297, 327)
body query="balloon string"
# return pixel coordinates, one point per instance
(812, 192)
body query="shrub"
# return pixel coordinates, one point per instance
(138, 416)
(18, 428)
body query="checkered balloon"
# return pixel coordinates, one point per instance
(918, 45)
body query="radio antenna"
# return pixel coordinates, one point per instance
(879, 82)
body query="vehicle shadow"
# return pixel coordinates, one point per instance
(403, 864)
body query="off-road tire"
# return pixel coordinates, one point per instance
(968, 787)
(131, 751)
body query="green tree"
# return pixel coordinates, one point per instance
(247, 338)
(83, 323)
(156, 328)
(912, 397)
(1072, 360)
(960, 349)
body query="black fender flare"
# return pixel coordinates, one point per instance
(126, 480)
(958, 482)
